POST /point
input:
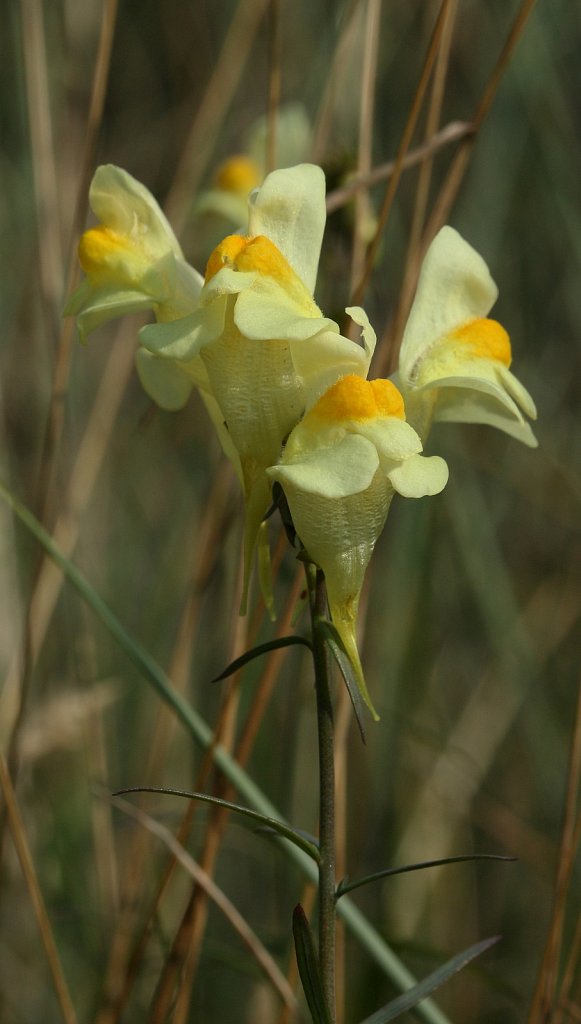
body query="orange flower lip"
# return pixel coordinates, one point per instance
(259, 254)
(353, 398)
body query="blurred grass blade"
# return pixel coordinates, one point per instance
(308, 965)
(272, 824)
(347, 886)
(335, 645)
(256, 652)
(358, 924)
(410, 999)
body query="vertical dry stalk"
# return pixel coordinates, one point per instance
(196, 914)
(543, 1002)
(456, 173)
(390, 344)
(453, 180)
(42, 148)
(28, 870)
(403, 147)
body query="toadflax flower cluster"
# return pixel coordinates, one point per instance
(287, 392)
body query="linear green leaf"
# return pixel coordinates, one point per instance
(346, 886)
(410, 999)
(335, 645)
(308, 965)
(256, 652)
(357, 923)
(272, 824)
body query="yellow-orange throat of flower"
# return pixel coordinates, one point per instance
(260, 256)
(353, 398)
(483, 339)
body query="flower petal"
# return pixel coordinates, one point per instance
(182, 339)
(289, 209)
(419, 475)
(163, 380)
(263, 318)
(95, 306)
(467, 405)
(127, 206)
(347, 467)
(454, 286)
(322, 359)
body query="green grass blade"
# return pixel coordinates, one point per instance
(357, 923)
(409, 1000)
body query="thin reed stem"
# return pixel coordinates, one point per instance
(325, 729)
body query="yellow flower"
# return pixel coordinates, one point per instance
(267, 349)
(339, 471)
(454, 362)
(132, 259)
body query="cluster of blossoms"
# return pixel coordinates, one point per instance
(287, 392)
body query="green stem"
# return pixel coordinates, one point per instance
(327, 873)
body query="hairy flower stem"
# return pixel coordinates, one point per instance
(327, 880)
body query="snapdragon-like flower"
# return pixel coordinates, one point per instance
(340, 469)
(133, 262)
(454, 362)
(267, 349)
(132, 259)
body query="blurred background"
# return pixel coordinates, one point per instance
(471, 641)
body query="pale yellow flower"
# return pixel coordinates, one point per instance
(267, 349)
(340, 469)
(132, 259)
(454, 362)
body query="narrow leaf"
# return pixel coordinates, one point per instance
(201, 732)
(308, 965)
(408, 1000)
(335, 645)
(270, 824)
(255, 652)
(347, 886)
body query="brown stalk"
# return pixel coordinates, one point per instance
(456, 173)
(196, 920)
(26, 863)
(404, 145)
(123, 963)
(385, 362)
(453, 132)
(218, 897)
(571, 969)
(51, 268)
(543, 1003)
(453, 180)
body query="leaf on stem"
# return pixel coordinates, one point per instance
(255, 652)
(308, 965)
(337, 649)
(345, 885)
(270, 824)
(424, 988)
